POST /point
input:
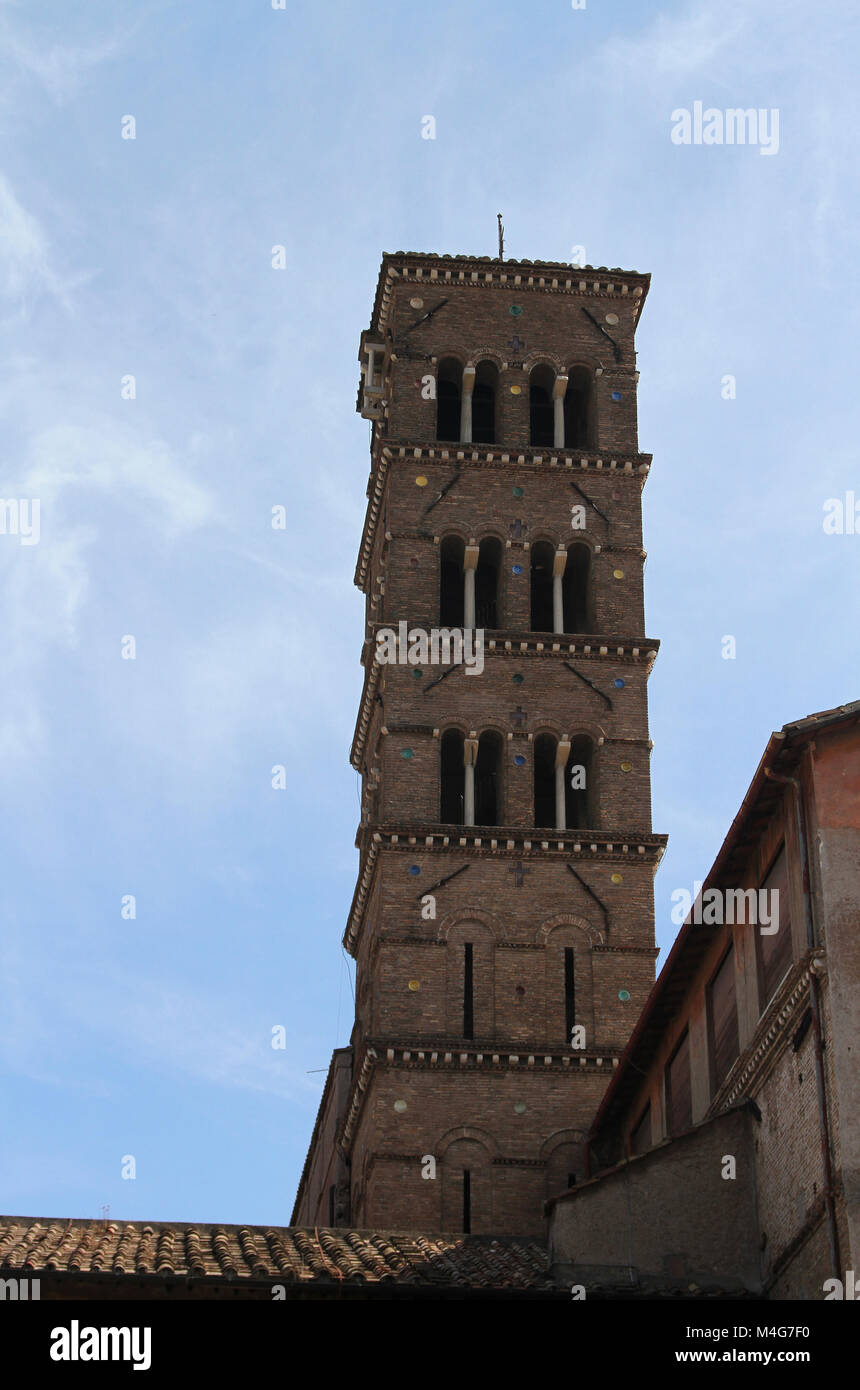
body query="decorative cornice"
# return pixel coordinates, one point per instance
(485, 272)
(629, 651)
(426, 1057)
(387, 452)
(596, 846)
(356, 1099)
(769, 1042)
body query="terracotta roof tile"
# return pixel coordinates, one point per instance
(276, 1254)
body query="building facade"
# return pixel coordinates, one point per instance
(726, 1150)
(502, 923)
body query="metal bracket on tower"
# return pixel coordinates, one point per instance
(590, 684)
(591, 893)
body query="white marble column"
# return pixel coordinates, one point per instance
(470, 565)
(470, 757)
(562, 753)
(466, 405)
(559, 565)
(558, 393)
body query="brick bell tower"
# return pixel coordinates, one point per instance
(503, 920)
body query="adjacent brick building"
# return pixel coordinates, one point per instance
(746, 1050)
(502, 924)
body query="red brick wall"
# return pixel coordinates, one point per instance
(468, 1114)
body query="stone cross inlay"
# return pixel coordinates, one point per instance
(516, 528)
(516, 342)
(518, 715)
(517, 870)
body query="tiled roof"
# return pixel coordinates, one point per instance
(31, 1246)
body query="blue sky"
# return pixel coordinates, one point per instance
(255, 127)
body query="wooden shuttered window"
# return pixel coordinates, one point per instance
(774, 947)
(640, 1138)
(679, 1094)
(723, 1019)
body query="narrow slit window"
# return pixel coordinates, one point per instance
(569, 992)
(467, 1201)
(468, 992)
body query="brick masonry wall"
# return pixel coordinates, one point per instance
(509, 1153)
(519, 937)
(464, 1114)
(670, 1213)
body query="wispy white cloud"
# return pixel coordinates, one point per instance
(169, 1029)
(26, 267)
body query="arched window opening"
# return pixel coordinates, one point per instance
(575, 588)
(579, 789)
(544, 780)
(487, 770)
(487, 583)
(484, 403)
(451, 591)
(449, 382)
(577, 409)
(542, 559)
(452, 806)
(541, 415)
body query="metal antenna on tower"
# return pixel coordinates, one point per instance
(501, 237)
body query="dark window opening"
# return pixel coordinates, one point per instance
(544, 781)
(571, 1180)
(543, 557)
(774, 947)
(541, 411)
(484, 404)
(449, 379)
(451, 592)
(468, 998)
(569, 993)
(723, 1020)
(679, 1092)
(487, 583)
(577, 409)
(580, 800)
(487, 779)
(452, 808)
(574, 588)
(467, 1201)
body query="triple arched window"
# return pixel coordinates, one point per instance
(471, 778)
(561, 588)
(561, 407)
(469, 583)
(564, 783)
(565, 793)
(466, 401)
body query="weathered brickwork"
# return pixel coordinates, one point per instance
(525, 921)
(793, 1054)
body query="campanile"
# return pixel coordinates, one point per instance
(503, 919)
